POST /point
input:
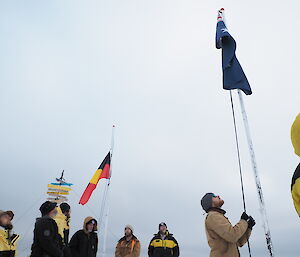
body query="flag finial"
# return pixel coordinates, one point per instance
(221, 15)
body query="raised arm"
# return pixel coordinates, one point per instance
(220, 225)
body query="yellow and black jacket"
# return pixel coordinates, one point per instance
(8, 244)
(163, 248)
(295, 187)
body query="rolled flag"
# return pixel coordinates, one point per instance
(233, 74)
(103, 172)
(295, 135)
(295, 188)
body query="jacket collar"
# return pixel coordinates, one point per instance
(216, 210)
(124, 238)
(167, 235)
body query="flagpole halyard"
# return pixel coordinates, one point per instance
(239, 163)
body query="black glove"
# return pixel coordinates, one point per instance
(244, 216)
(251, 222)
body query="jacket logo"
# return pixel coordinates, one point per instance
(47, 232)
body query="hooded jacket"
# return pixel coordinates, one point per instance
(126, 248)
(223, 238)
(46, 240)
(63, 225)
(163, 248)
(84, 243)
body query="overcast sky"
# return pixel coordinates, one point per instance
(70, 69)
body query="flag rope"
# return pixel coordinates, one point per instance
(239, 163)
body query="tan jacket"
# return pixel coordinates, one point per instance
(128, 249)
(223, 238)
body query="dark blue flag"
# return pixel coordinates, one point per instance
(233, 74)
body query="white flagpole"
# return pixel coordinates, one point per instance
(257, 180)
(106, 203)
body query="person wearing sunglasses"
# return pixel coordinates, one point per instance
(223, 238)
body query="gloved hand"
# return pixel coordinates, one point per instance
(251, 222)
(244, 216)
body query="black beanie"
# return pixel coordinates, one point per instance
(47, 207)
(64, 207)
(162, 224)
(206, 201)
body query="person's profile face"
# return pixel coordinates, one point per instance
(217, 201)
(5, 220)
(53, 213)
(68, 214)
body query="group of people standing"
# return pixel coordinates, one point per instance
(51, 237)
(51, 234)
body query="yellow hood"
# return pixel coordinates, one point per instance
(62, 222)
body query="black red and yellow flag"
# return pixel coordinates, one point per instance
(103, 172)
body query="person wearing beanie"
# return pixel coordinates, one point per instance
(46, 239)
(10, 214)
(128, 245)
(223, 238)
(63, 221)
(8, 240)
(84, 243)
(163, 244)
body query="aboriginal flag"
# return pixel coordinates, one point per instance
(102, 172)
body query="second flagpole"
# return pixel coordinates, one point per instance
(257, 180)
(105, 203)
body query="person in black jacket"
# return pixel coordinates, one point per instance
(163, 244)
(46, 241)
(84, 243)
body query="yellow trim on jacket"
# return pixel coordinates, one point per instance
(5, 243)
(163, 243)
